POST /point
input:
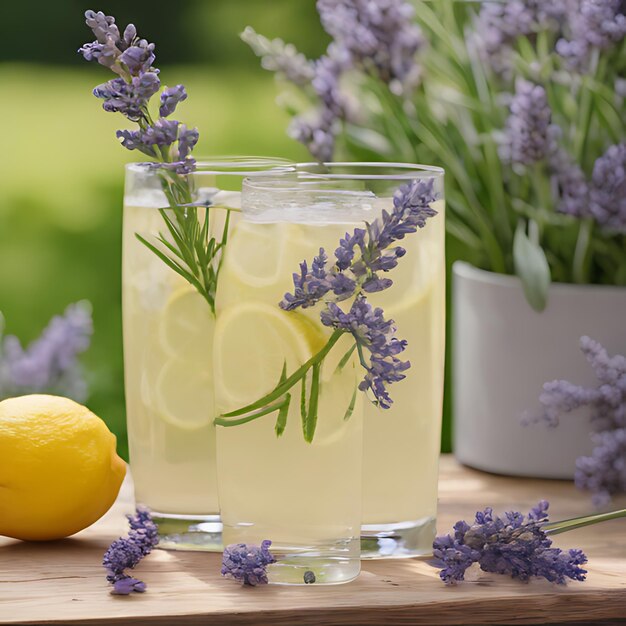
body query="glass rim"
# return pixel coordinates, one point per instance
(228, 165)
(305, 176)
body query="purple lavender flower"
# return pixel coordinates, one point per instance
(317, 131)
(125, 553)
(158, 138)
(607, 197)
(125, 586)
(277, 56)
(310, 286)
(317, 134)
(572, 188)
(377, 35)
(498, 24)
(128, 98)
(126, 55)
(247, 564)
(604, 473)
(511, 545)
(50, 363)
(607, 401)
(170, 99)
(139, 57)
(132, 58)
(528, 126)
(411, 210)
(359, 259)
(599, 24)
(372, 332)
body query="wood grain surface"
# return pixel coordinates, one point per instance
(63, 583)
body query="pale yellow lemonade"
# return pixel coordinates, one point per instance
(168, 339)
(402, 444)
(254, 338)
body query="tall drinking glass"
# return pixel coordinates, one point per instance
(304, 494)
(402, 444)
(169, 322)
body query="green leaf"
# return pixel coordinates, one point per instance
(311, 418)
(532, 268)
(303, 403)
(283, 412)
(350, 408)
(278, 406)
(281, 420)
(173, 265)
(345, 358)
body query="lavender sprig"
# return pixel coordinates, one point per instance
(376, 37)
(596, 24)
(513, 545)
(126, 552)
(360, 260)
(50, 363)
(380, 37)
(186, 246)
(604, 472)
(247, 564)
(499, 24)
(528, 127)
(131, 58)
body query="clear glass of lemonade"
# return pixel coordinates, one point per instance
(402, 444)
(169, 327)
(306, 496)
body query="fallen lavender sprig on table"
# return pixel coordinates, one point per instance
(126, 552)
(247, 563)
(514, 545)
(50, 363)
(604, 472)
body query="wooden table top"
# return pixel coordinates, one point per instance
(63, 582)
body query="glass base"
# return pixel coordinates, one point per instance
(189, 532)
(318, 562)
(399, 540)
(318, 565)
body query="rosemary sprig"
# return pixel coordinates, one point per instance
(188, 246)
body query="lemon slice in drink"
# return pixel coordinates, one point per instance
(244, 260)
(253, 340)
(184, 395)
(186, 327)
(258, 263)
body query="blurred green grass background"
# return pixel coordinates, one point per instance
(61, 179)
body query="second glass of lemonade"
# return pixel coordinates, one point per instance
(307, 495)
(168, 342)
(401, 445)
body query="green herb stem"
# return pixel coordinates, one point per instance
(284, 386)
(555, 528)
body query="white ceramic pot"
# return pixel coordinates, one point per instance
(503, 352)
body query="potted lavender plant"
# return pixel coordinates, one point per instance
(523, 104)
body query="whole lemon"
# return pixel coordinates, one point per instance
(59, 471)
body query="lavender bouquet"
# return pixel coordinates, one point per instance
(50, 363)
(521, 101)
